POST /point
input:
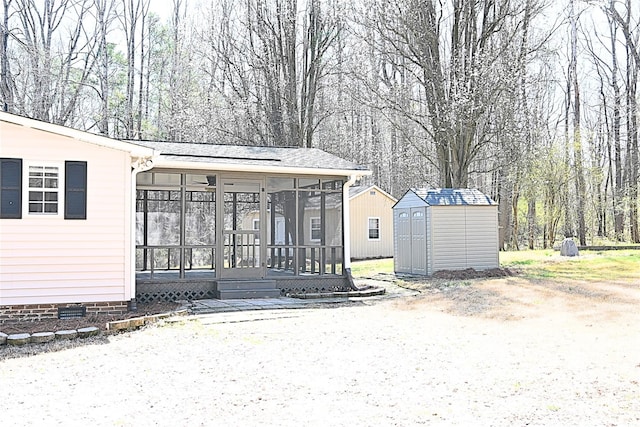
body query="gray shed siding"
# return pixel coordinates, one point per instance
(448, 236)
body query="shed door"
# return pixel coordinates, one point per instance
(418, 241)
(402, 257)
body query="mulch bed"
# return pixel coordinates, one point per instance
(97, 320)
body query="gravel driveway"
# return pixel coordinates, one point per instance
(522, 354)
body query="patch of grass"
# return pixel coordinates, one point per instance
(523, 262)
(621, 265)
(514, 258)
(369, 267)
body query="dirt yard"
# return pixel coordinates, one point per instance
(502, 352)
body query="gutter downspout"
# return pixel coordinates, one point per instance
(346, 230)
(140, 164)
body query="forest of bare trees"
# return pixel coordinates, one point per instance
(533, 102)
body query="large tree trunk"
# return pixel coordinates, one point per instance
(577, 137)
(6, 85)
(618, 190)
(632, 148)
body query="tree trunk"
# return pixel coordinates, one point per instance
(618, 190)
(6, 85)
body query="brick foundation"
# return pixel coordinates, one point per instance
(33, 312)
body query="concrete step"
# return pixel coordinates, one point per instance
(247, 293)
(227, 285)
(245, 289)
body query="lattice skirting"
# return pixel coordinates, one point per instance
(174, 291)
(192, 290)
(312, 285)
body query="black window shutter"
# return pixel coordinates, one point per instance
(10, 188)
(75, 190)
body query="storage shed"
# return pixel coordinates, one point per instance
(371, 218)
(444, 229)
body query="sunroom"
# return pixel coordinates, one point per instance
(239, 222)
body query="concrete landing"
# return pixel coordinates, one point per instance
(221, 306)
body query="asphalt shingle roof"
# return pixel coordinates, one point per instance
(311, 158)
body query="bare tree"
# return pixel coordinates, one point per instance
(54, 40)
(6, 83)
(104, 14)
(457, 61)
(631, 170)
(130, 19)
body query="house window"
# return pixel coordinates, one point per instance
(256, 224)
(316, 229)
(10, 188)
(75, 192)
(374, 228)
(43, 189)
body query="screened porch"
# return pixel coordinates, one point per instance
(214, 225)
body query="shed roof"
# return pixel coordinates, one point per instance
(252, 158)
(357, 190)
(453, 197)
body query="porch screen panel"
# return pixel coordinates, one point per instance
(281, 225)
(310, 231)
(333, 234)
(163, 208)
(305, 226)
(333, 219)
(200, 229)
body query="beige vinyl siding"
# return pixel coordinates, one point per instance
(365, 206)
(53, 260)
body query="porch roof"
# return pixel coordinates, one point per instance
(241, 158)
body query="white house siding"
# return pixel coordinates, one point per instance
(46, 259)
(362, 207)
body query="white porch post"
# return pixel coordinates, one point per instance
(346, 226)
(137, 166)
